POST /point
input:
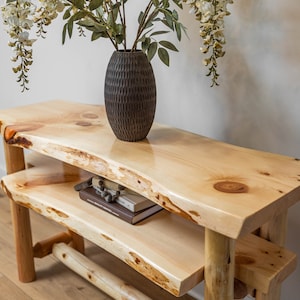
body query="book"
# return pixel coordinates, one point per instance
(90, 195)
(124, 196)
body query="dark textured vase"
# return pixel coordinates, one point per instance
(130, 95)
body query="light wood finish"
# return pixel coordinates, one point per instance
(14, 158)
(260, 264)
(229, 190)
(151, 247)
(274, 231)
(263, 265)
(54, 280)
(44, 247)
(177, 169)
(219, 266)
(98, 276)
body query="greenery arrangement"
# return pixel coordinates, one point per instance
(107, 19)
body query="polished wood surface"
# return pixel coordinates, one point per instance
(54, 280)
(165, 248)
(160, 247)
(205, 181)
(228, 190)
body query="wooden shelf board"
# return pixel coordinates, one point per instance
(165, 248)
(160, 247)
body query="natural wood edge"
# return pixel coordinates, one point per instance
(262, 264)
(246, 270)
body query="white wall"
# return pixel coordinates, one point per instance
(256, 105)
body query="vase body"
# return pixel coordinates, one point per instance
(130, 95)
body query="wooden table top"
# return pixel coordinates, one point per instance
(226, 188)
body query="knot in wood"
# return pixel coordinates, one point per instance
(231, 187)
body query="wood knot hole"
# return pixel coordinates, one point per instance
(231, 187)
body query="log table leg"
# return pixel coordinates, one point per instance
(219, 266)
(274, 231)
(21, 220)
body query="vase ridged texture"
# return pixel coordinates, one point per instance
(130, 95)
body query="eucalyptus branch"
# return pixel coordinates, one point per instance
(113, 41)
(142, 24)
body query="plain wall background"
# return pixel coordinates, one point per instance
(257, 104)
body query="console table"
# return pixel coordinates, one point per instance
(225, 206)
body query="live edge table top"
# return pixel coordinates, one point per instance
(226, 188)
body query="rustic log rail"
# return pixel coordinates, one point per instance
(214, 194)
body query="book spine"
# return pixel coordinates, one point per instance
(106, 208)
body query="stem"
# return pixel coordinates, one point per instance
(143, 24)
(111, 39)
(123, 21)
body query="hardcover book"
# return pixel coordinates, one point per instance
(90, 195)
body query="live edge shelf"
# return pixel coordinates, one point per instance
(215, 195)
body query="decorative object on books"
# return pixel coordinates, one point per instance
(107, 19)
(113, 192)
(90, 195)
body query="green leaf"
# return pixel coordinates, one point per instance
(94, 4)
(67, 14)
(70, 28)
(164, 56)
(118, 28)
(86, 23)
(146, 44)
(148, 25)
(152, 50)
(159, 32)
(168, 45)
(96, 35)
(168, 20)
(119, 38)
(64, 32)
(79, 3)
(78, 15)
(178, 30)
(166, 3)
(140, 18)
(175, 14)
(155, 3)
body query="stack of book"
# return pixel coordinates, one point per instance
(116, 200)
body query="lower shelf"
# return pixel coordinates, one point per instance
(165, 248)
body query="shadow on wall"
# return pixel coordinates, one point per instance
(261, 71)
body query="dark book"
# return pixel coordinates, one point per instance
(90, 195)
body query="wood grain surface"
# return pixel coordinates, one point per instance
(208, 182)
